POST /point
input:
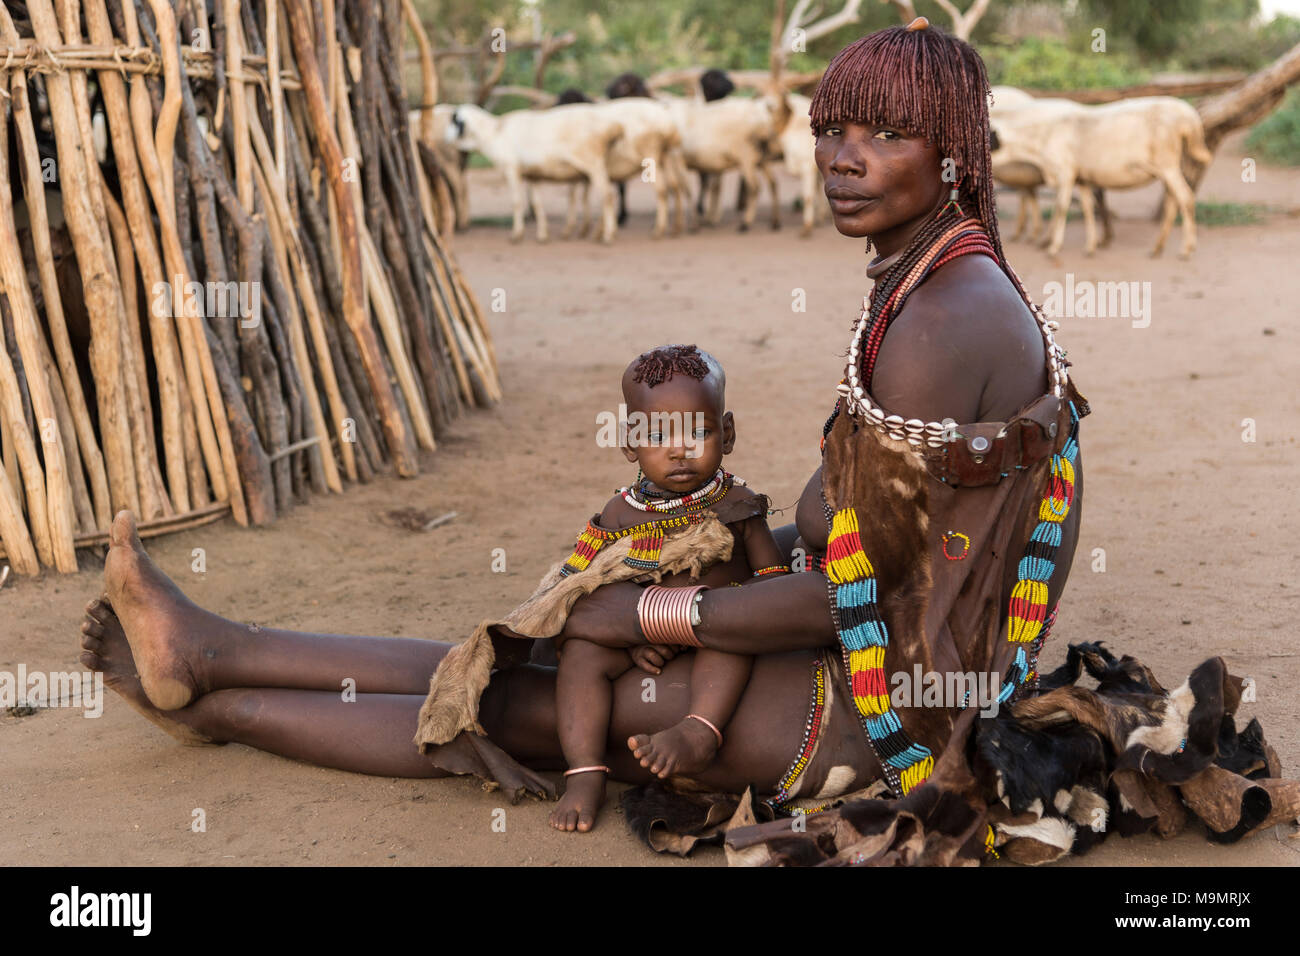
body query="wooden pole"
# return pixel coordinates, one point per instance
(102, 296)
(158, 181)
(53, 490)
(135, 205)
(204, 383)
(280, 223)
(38, 216)
(400, 444)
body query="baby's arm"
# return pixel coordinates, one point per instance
(761, 548)
(649, 657)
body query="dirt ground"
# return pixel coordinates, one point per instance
(1197, 526)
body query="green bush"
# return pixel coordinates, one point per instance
(1051, 64)
(1276, 138)
(1231, 44)
(1229, 213)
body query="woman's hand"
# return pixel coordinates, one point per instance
(606, 617)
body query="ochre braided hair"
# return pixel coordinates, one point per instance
(926, 83)
(661, 364)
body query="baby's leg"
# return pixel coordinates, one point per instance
(584, 695)
(717, 681)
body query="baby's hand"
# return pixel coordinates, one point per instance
(652, 657)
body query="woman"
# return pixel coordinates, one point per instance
(925, 518)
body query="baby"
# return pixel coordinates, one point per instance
(680, 475)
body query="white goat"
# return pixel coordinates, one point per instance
(732, 133)
(1012, 107)
(563, 144)
(650, 147)
(798, 152)
(1119, 145)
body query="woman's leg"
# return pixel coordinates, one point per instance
(183, 651)
(186, 649)
(363, 733)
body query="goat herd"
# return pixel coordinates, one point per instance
(658, 137)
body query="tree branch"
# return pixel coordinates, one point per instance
(963, 24)
(906, 12)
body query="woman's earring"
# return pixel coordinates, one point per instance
(952, 200)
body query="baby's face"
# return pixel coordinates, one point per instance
(677, 433)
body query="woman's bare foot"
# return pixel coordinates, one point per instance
(107, 650)
(583, 795)
(686, 747)
(153, 614)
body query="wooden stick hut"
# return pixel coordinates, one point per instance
(225, 282)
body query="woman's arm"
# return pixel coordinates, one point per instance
(786, 613)
(790, 612)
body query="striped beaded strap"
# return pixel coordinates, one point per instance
(863, 638)
(647, 542)
(646, 548)
(774, 569)
(1027, 612)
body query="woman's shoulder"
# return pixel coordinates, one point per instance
(964, 346)
(974, 302)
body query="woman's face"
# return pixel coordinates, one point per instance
(880, 181)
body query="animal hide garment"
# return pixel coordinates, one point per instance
(1056, 773)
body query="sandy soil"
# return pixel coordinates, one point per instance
(1197, 526)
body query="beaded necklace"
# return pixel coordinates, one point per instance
(938, 242)
(707, 494)
(648, 537)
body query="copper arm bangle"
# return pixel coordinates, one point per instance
(664, 614)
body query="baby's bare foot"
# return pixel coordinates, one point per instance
(577, 809)
(106, 650)
(155, 616)
(687, 747)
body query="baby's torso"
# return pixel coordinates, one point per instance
(619, 515)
